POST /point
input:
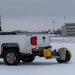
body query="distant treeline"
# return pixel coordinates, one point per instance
(55, 32)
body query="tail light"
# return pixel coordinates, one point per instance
(34, 40)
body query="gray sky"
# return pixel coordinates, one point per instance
(36, 15)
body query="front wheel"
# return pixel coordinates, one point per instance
(11, 57)
(67, 58)
(28, 58)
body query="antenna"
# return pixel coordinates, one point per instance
(0, 23)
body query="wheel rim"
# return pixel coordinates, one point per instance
(11, 57)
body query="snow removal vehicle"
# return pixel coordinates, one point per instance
(15, 47)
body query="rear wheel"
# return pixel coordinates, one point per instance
(11, 57)
(28, 58)
(67, 58)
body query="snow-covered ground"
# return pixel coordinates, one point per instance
(42, 66)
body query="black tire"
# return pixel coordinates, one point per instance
(11, 57)
(28, 58)
(66, 60)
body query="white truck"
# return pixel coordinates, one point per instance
(15, 47)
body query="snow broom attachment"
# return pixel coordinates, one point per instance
(65, 55)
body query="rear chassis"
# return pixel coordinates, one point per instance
(62, 55)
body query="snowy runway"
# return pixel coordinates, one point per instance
(41, 66)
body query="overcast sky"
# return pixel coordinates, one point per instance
(36, 15)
